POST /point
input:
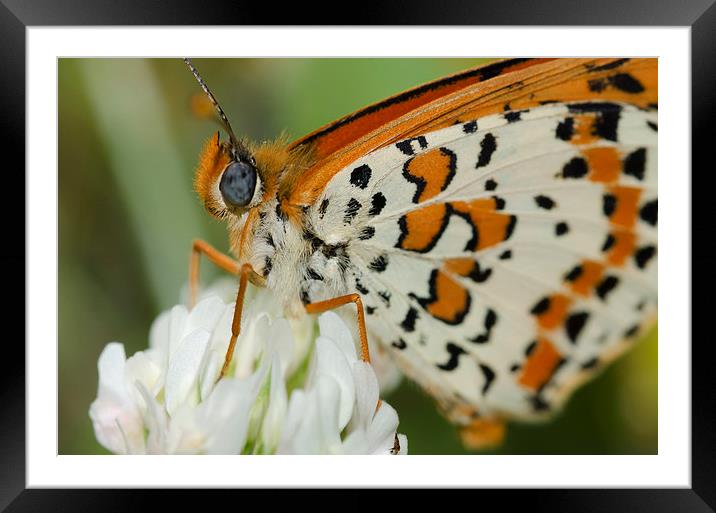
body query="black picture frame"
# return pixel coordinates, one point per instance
(17, 15)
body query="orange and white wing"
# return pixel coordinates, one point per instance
(504, 258)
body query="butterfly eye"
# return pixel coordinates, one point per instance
(238, 183)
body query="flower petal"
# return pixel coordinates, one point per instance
(381, 433)
(367, 393)
(332, 326)
(183, 370)
(205, 314)
(276, 412)
(111, 365)
(140, 368)
(250, 343)
(403, 441)
(331, 361)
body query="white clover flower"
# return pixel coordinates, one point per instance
(286, 391)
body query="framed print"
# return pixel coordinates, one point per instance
(478, 204)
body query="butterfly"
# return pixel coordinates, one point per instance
(495, 229)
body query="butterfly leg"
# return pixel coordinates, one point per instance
(331, 304)
(215, 256)
(246, 273)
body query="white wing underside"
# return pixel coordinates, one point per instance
(515, 274)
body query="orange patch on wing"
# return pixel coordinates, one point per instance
(460, 266)
(555, 313)
(591, 274)
(431, 171)
(622, 248)
(540, 365)
(626, 208)
(492, 227)
(605, 164)
(483, 434)
(420, 228)
(449, 300)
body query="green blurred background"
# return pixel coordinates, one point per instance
(128, 143)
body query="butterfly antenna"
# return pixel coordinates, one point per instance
(240, 148)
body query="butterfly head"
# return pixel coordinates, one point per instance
(227, 178)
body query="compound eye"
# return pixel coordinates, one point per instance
(238, 183)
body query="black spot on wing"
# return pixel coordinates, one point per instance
(399, 344)
(490, 321)
(574, 324)
(605, 286)
(366, 233)
(608, 243)
(609, 204)
(634, 163)
(512, 116)
(454, 351)
(488, 145)
(649, 212)
(505, 255)
(544, 202)
(499, 203)
(489, 377)
(361, 288)
(653, 126)
(478, 274)
(490, 185)
(385, 296)
(565, 129)
(510, 227)
(575, 168)
(643, 255)
(351, 211)
(379, 264)
(561, 228)
(408, 323)
(377, 203)
(407, 146)
(530, 347)
(627, 83)
(470, 127)
(574, 274)
(541, 306)
(360, 176)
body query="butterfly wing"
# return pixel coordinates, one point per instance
(512, 85)
(506, 257)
